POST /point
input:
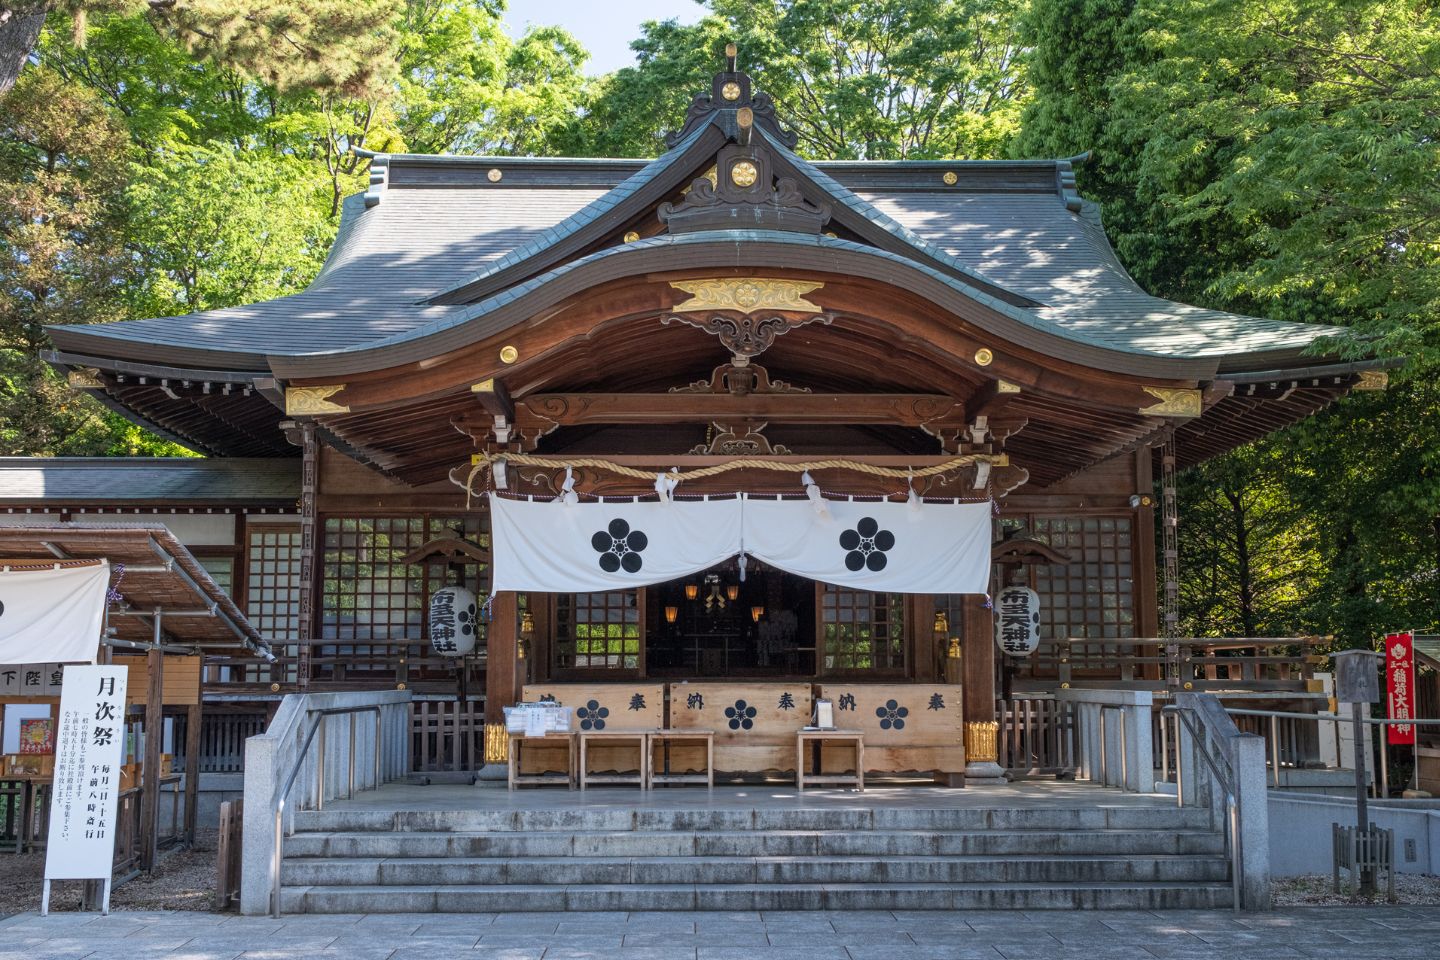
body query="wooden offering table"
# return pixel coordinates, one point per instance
(556, 744)
(624, 740)
(607, 722)
(660, 761)
(803, 741)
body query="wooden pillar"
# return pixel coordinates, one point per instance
(194, 717)
(502, 669)
(978, 660)
(1142, 546)
(309, 483)
(154, 743)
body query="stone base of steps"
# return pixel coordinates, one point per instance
(444, 872)
(771, 843)
(555, 898)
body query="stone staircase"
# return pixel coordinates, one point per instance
(895, 857)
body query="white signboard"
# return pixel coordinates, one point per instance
(88, 755)
(50, 614)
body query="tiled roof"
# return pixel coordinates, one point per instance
(82, 480)
(435, 225)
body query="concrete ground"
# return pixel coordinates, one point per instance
(1342, 933)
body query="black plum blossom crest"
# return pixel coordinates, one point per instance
(866, 546)
(592, 715)
(741, 716)
(892, 715)
(619, 547)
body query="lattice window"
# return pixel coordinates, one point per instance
(272, 595)
(597, 631)
(221, 570)
(1092, 597)
(374, 605)
(862, 631)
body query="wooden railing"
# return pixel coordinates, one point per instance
(1191, 663)
(446, 735)
(1037, 735)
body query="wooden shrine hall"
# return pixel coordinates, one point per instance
(731, 315)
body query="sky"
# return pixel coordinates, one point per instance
(604, 27)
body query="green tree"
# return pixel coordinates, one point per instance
(62, 166)
(289, 44)
(856, 79)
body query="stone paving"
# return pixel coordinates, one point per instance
(1342, 933)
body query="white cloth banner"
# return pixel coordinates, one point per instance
(554, 547)
(882, 546)
(52, 615)
(592, 547)
(87, 774)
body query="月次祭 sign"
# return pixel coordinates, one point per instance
(558, 547)
(88, 754)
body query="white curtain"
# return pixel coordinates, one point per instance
(883, 546)
(556, 547)
(52, 616)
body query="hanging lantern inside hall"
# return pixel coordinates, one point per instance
(453, 627)
(1017, 620)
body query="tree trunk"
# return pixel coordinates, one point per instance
(19, 31)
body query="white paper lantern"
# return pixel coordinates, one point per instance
(453, 626)
(1017, 621)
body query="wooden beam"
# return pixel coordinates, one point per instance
(494, 398)
(574, 409)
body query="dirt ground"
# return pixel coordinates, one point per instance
(183, 880)
(1410, 888)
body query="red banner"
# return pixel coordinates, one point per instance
(1400, 675)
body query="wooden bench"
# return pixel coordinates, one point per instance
(805, 739)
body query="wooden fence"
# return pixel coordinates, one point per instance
(1037, 735)
(447, 736)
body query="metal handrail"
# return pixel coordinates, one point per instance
(283, 795)
(1226, 782)
(1327, 717)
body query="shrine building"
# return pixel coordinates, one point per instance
(823, 338)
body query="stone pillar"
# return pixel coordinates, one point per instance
(978, 670)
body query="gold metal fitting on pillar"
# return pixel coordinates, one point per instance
(527, 632)
(497, 743)
(982, 741)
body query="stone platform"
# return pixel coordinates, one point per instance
(1043, 845)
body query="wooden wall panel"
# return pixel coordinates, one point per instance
(181, 680)
(907, 726)
(627, 706)
(766, 744)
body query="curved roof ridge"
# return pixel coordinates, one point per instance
(844, 195)
(580, 218)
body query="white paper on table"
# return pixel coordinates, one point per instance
(534, 723)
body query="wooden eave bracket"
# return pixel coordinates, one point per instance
(495, 398)
(313, 401)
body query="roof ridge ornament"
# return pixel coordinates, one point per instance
(730, 90)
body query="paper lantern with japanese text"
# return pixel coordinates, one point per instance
(453, 627)
(1017, 621)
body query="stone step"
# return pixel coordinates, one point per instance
(701, 871)
(776, 843)
(838, 819)
(955, 896)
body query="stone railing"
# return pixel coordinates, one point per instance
(320, 746)
(1114, 743)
